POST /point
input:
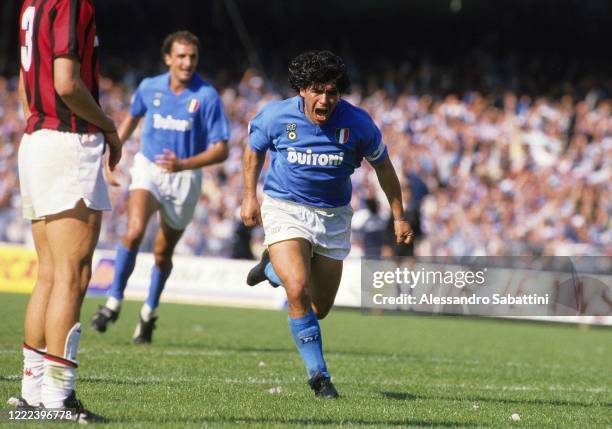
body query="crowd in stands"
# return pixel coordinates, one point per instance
(498, 173)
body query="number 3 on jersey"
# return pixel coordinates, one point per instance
(27, 25)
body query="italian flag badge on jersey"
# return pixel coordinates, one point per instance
(342, 135)
(193, 105)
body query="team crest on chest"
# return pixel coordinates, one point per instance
(193, 105)
(342, 135)
(157, 99)
(292, 131)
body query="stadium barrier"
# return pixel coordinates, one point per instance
(194, 280)
(18, 269)
(220, 281)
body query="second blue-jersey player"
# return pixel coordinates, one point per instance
(185, 128)
(185, 124)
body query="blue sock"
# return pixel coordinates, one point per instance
(271, 274)
(158, 281)
(307, 336)
(124, 265)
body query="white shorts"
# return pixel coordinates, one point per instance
(177, 193)
(327, 229)
(58, 169)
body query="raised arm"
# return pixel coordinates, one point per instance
(252, 163)
(390, 185)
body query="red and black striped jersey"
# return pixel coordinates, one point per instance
(50, 29)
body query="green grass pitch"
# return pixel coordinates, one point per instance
(214, 367)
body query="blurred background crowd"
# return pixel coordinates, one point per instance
(501, 150)
(509, 174)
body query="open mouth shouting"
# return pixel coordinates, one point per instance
(321, 114)
(320, 100)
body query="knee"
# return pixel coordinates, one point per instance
(163, 256)
(134, 234)
(163, 261)
(297, 292)
(45, 276)
(72, 275)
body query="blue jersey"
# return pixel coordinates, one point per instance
(185, 123)
(312, 164)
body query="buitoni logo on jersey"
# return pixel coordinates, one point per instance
(170, 123)
(309, 158)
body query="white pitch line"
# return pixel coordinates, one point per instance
(336, 355)
(342, 355)
(333, 355)
(135, 380)
(511, 388)
(295, 380)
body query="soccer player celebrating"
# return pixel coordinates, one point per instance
(185, 129)
(62, 190)
(316, 140)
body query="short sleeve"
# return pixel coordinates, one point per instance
(71, 20)
(258, 137)
(373, 148)
(138, 107)
(216, 122)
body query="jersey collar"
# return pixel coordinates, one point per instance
(192, 85)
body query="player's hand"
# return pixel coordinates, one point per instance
(168, 161)
(403, 232)
(111, 177)
(111, 139)
(250, 212)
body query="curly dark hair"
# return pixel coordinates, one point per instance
(316, 67)
(182, 36)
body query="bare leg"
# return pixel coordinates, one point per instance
(165, 242)
(141, 205)
(326, 275)
(34, 326)
(291, 261)
(72, 236)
